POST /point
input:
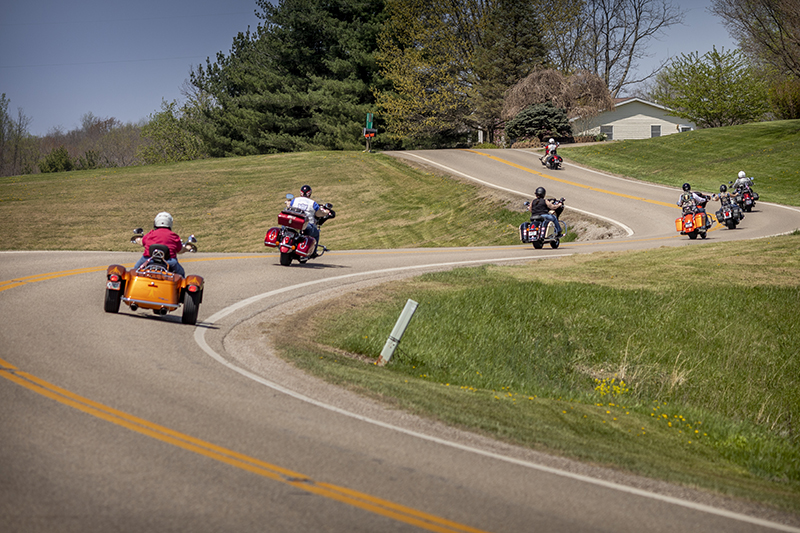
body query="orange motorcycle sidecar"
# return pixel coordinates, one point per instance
(153, 288)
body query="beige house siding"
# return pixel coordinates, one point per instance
(634, 119)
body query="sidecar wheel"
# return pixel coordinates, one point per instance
(554, 244)
(286, 259)
(113, 298)
(191, 305)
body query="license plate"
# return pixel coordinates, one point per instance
(113, 285)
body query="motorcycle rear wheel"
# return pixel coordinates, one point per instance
(113, 298)
(537, 244)
(286, 259)
(191, 306)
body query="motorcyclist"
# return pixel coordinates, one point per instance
(162, 234)
(726, 198)
(542, 206)
(742, 181)
(691, 201)
(306, 204)
(549, 151)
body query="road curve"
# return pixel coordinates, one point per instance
(132, 422)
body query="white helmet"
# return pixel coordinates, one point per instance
(742, 174)
(552, 140)
(163, 220)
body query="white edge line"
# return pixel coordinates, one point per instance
(628, 230)
(199, 337)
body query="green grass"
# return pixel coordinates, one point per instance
(768, 151)
(230, 203)
(692, 379)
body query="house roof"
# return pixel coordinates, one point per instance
(622, 101)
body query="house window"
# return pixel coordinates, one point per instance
(655, 130)
(608, 131)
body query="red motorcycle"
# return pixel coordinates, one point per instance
(291, 238)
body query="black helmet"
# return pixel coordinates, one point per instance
(540, 192)
(687, 187)
(306, 190)
(723, 188)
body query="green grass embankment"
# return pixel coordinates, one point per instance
(230, 203)
(768, 151)
(679, 363)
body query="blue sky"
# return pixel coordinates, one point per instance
(61, 59)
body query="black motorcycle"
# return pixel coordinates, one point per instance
(540, 231)
(729, 214)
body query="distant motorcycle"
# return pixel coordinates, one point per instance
(540, 231)
(745, 195)
(290, 237)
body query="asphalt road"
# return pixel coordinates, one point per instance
(133, 422)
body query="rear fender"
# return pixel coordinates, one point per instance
(193, 284)
(116, 276)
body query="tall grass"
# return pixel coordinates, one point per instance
(704, 364)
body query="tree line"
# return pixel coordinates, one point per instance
(435, 72)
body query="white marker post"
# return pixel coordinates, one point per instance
(397, 332)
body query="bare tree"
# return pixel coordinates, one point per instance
(616, 36)
(768, 31)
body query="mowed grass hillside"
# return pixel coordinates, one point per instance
(708, 158)
(229, 204)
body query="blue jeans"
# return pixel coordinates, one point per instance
(174, 266)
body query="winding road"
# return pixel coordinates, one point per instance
(132, 422)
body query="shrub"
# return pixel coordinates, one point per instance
(539, 120)
(57, 160)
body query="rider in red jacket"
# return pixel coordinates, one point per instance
(162, 234)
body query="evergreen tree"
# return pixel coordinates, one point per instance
(303, 80)
(511, 49)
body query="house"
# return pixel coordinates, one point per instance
(632, 118)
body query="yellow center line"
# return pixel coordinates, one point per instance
(567, 182)
(357, 499)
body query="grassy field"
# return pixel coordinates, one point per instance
(230, 203)
(679, 364)
(768, 151)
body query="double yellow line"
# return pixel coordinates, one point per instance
(334, 492)
(17, 282)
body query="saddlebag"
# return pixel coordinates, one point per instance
(524, 232)
(306, 246)
(272, 236)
